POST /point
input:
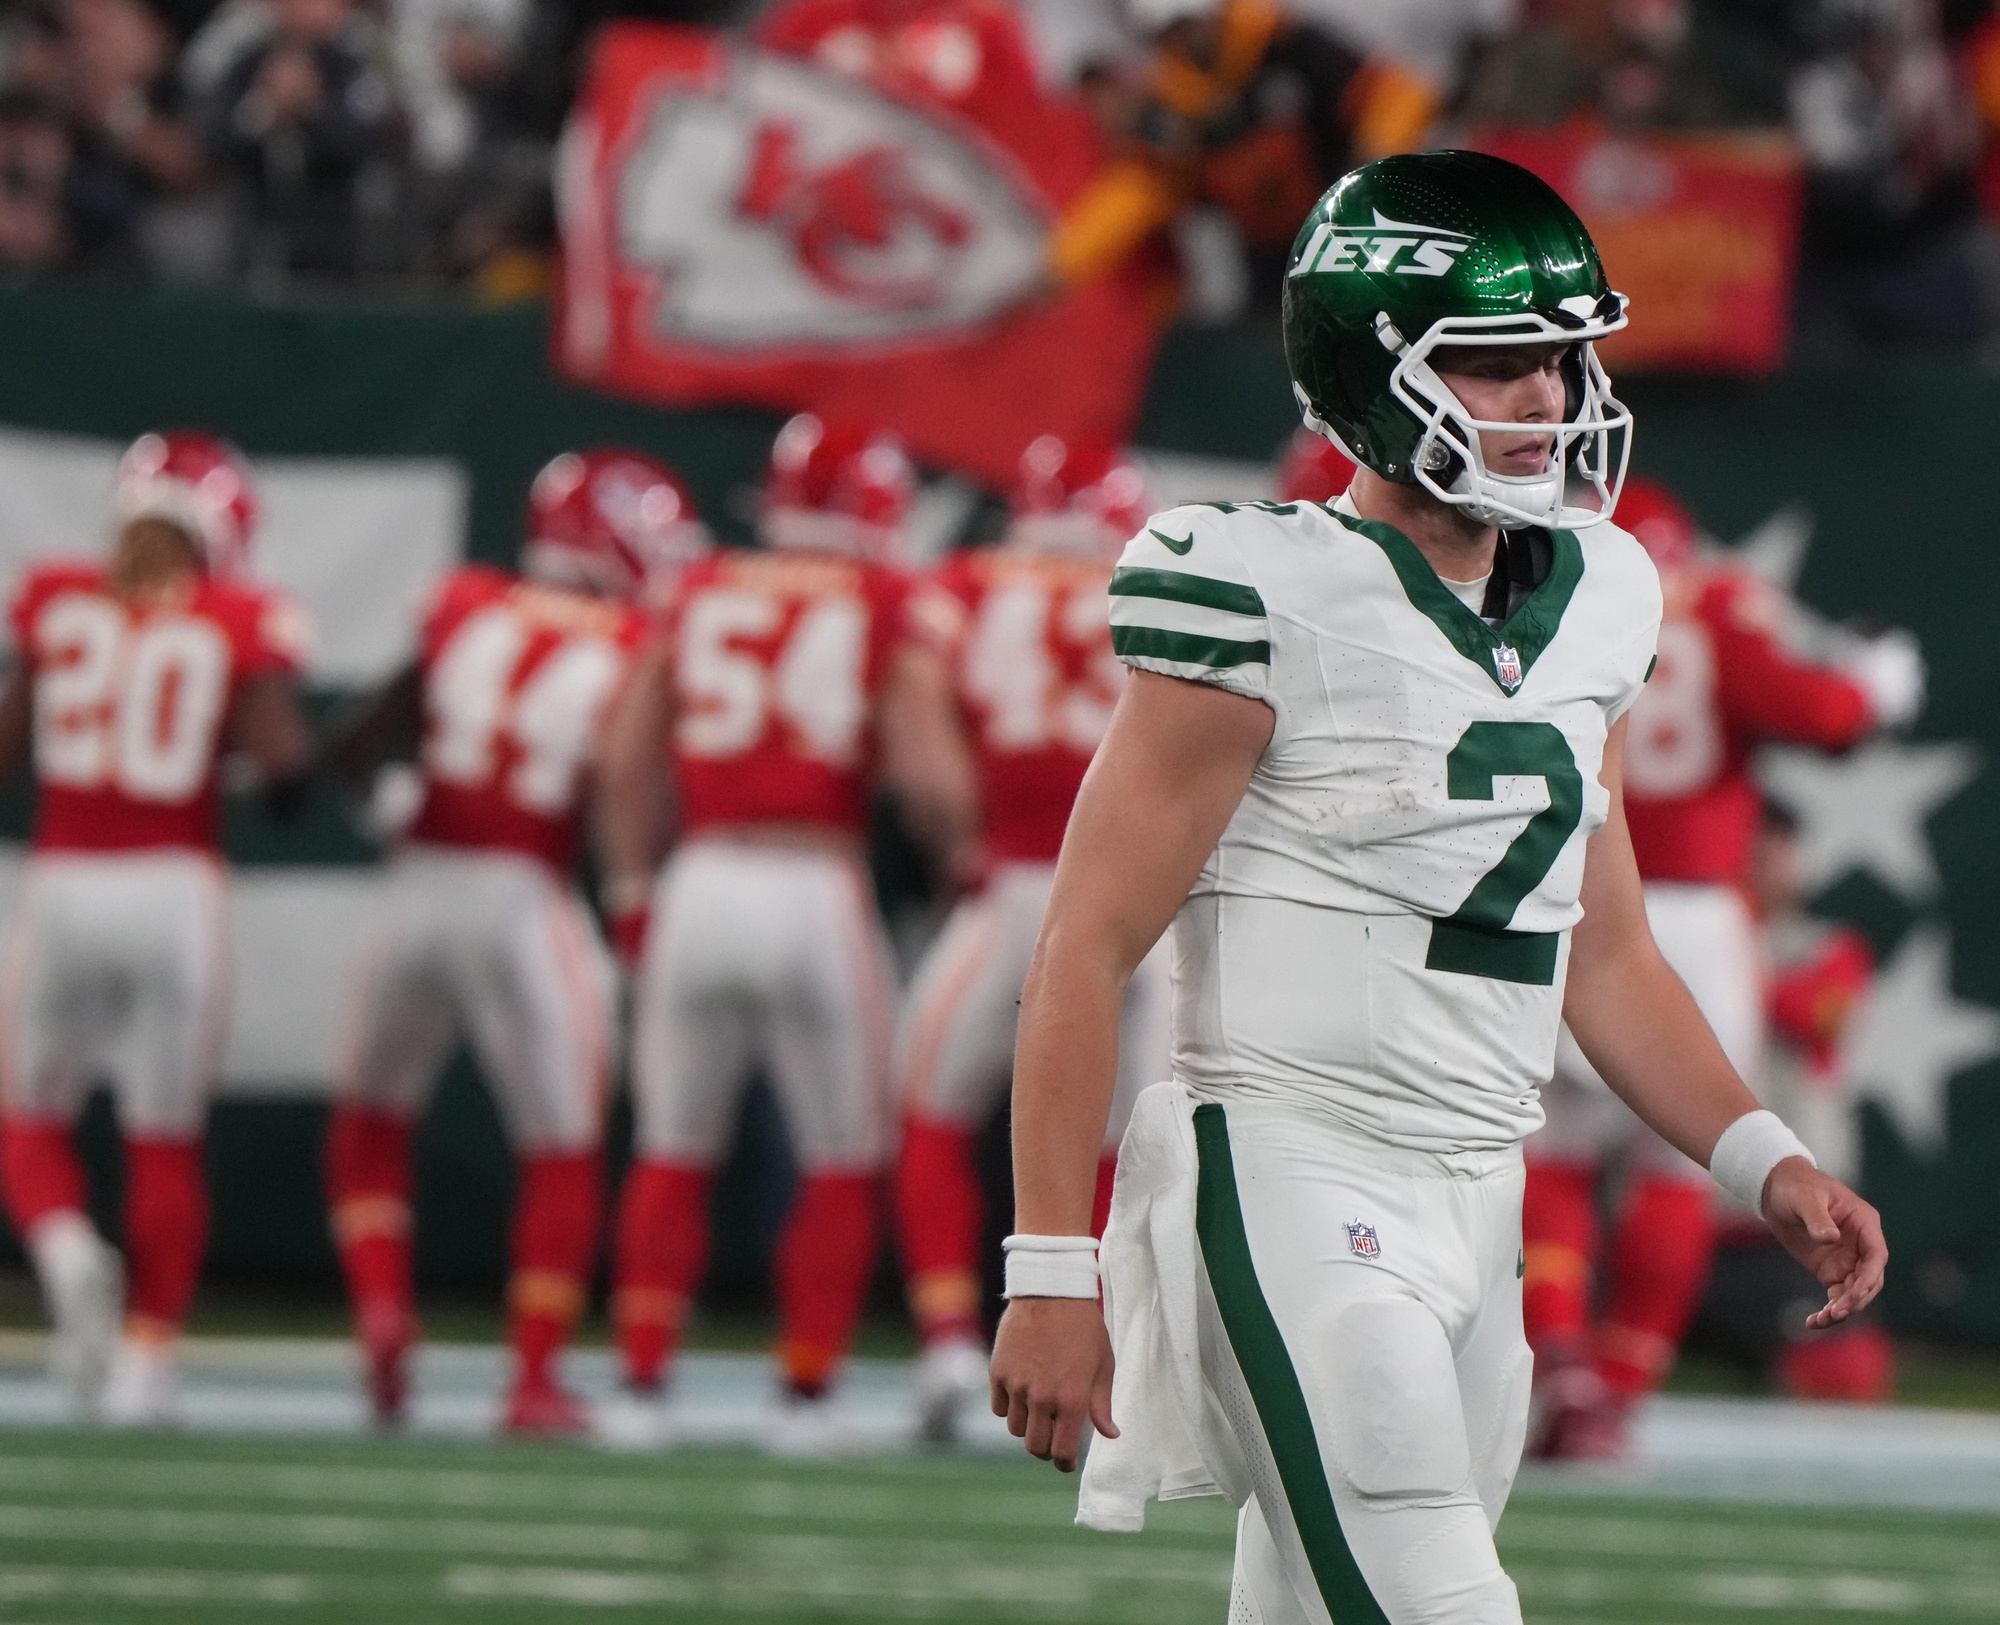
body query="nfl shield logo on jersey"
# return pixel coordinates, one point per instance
(1361, 1237)
(1507, 662)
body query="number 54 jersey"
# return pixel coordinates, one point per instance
(1382, 932)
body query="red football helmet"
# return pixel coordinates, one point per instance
(613, 522)
(844, 487)
(1664, 527)
(1313, 469)
(197, 482)
(1080, 496)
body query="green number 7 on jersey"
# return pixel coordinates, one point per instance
(1478, 940)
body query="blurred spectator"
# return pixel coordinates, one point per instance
(304, 124)
(130, 147)
(1237, 105)
(32, 54)
(34, 159)
(480, 82)
(1653, 64)
(1890, 135)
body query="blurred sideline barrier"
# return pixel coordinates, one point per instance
(1859, 481)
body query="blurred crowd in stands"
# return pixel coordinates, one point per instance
(409, 143)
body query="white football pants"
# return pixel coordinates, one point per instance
(955, 1049)
(493, 945)
(772, 955)
(1361, 1334)
(1706, 934)
(117, 967)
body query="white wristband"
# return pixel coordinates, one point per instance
(1747, 1152)
(1051, 1266)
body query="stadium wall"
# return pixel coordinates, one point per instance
(1859, 480)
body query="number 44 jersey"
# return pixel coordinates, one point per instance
(1383, 930)
(132, 702)
(516, 679)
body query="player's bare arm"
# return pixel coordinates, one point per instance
(630, 809)
(1639, 1027)
(926, 761)
(267, 726)
(17, 719)
(387, 727)
(1168, 776)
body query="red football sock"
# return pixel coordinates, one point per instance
(662, 1250)
(368, 1182)
(1558, 1244)
(556, 1211)
(39, 1172)
(939, 1217)
(1856, 1363)
(1100, 1202)
(166, 1231)
(1659, 1262)
(825, 1258)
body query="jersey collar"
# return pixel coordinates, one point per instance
(1508, 649)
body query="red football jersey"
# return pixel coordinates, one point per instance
(516, 679)
(1814, 993)
(778, 661)
(1725, 684)
(131, 702)
(1036, 681)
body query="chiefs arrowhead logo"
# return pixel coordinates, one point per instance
(779, 204)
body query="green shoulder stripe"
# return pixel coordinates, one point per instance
(1182, 588)
(1152, 643)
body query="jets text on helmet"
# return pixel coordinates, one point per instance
(1392, 245)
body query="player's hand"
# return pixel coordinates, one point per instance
(628, 934)
(1831, 1231)
(1052, 1375)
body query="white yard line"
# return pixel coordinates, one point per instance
(1721, 1450)
(759, 1498)
(127, 1526)
(195, 1587)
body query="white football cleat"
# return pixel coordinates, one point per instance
(83, 1283)
(144, 1390)
(950, 1376)
(632, 1420)
(807, 1429)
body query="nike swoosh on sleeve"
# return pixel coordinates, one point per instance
(1173, 544)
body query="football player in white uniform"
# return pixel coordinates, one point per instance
(1368, 768)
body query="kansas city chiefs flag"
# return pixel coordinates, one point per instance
(747, 227)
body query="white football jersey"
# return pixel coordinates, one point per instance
(1383, 928)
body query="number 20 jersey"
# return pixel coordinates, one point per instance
(1382, 932)
(131, 702)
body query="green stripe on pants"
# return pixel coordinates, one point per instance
(1274, 1385)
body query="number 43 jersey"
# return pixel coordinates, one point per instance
(1383, 929)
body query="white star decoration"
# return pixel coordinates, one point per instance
(1913, 1035)
(1867, 809)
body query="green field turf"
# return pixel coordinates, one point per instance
(106, 1530)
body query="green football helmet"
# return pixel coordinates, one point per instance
(1453, 248)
